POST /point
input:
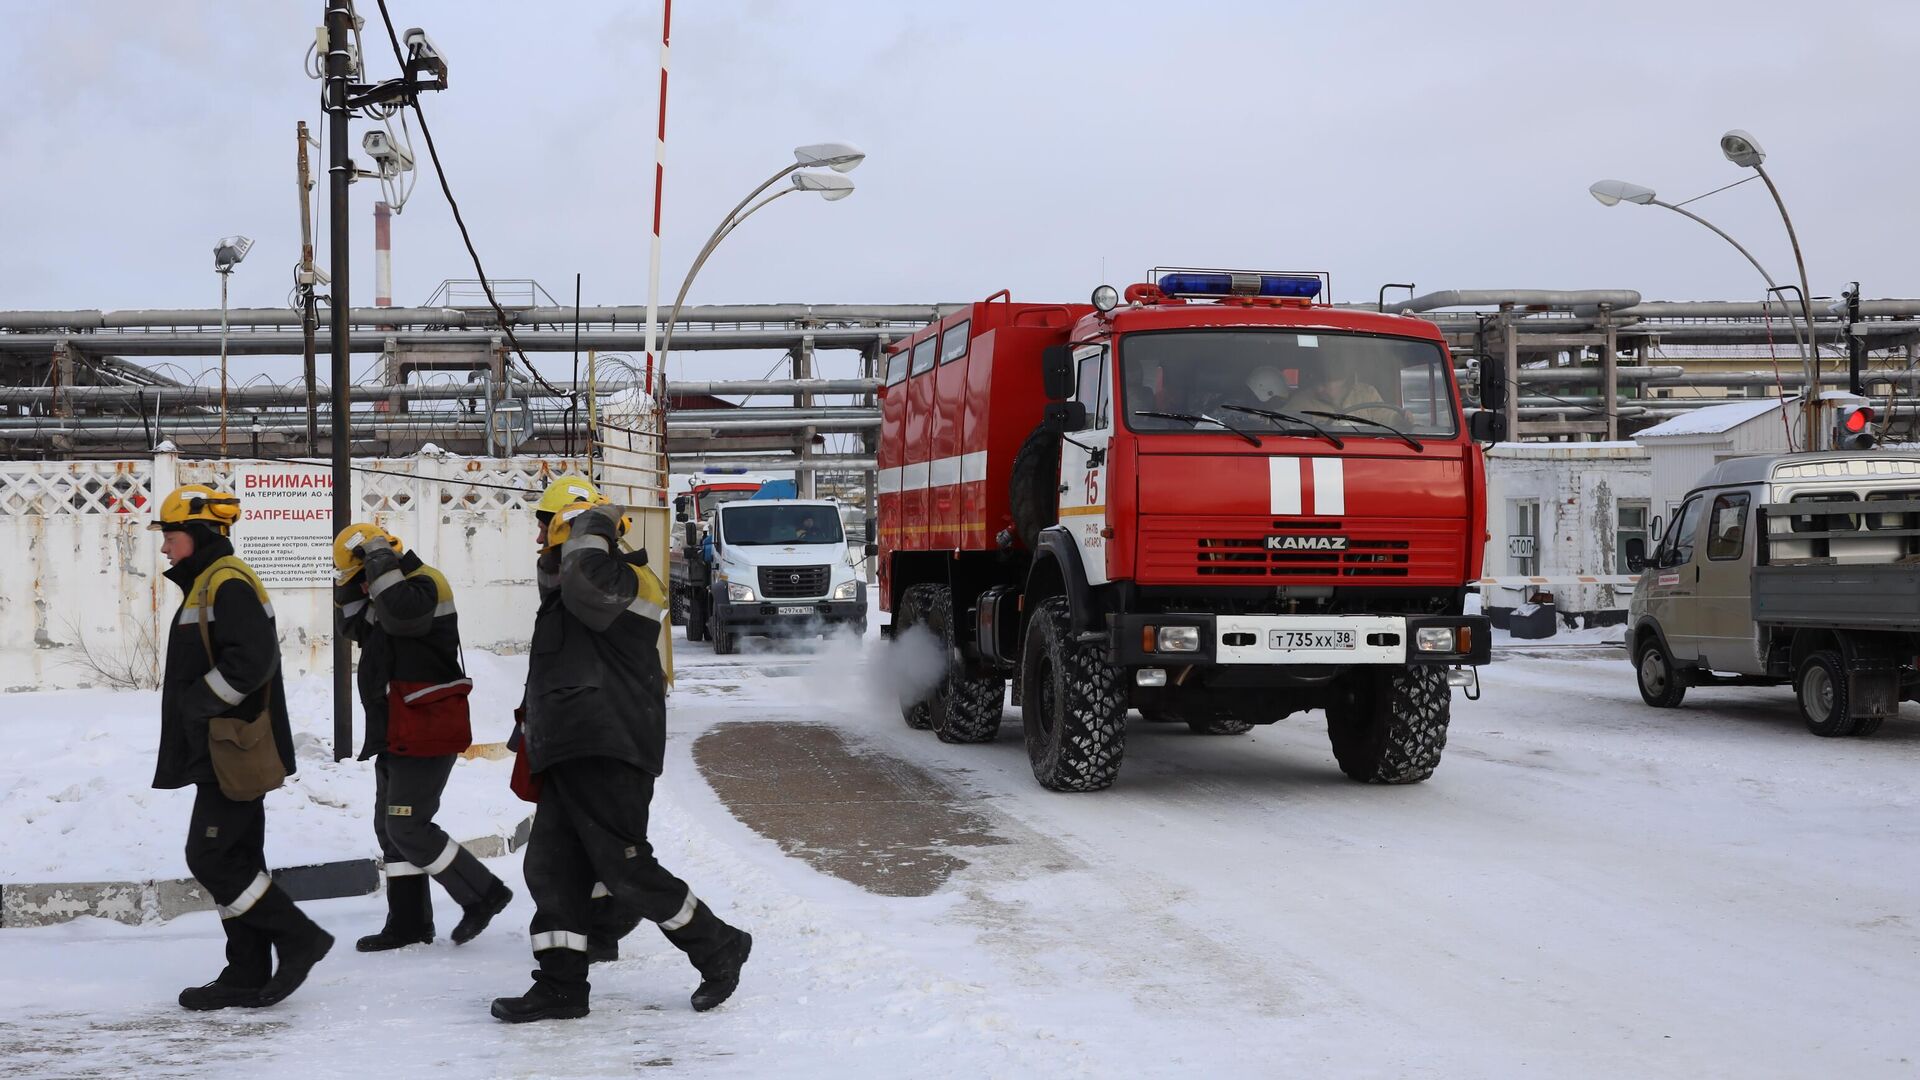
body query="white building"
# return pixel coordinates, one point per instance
(1560, 511)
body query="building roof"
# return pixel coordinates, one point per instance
(1712, 420)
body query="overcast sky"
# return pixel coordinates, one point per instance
(1013, 145)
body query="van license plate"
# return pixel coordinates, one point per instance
(796, 611)
(1310, 639)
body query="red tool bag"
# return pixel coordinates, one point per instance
(523, 783)
(429, 720)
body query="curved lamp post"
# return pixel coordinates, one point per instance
(1614, 192)
(1743, 150)
(839, 157)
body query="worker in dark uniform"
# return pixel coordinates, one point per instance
(223, 660)
(401, 612)
(594, 734)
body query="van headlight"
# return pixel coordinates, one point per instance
(738, 593)
(847, 590)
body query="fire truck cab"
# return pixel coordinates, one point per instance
(1212, 500)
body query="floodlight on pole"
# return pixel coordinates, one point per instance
(1743, 150)
(226, 255)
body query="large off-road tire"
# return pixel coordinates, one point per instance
(917, 711)
(1033, 486)
(1820, 688)
(1074, 706)
(1388, 726)
(1200, 721)
(1660, 683)
(682, 606)
(963, 708)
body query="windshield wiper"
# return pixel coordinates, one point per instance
(1404, 437)
(1195, 419)
(1289, 418)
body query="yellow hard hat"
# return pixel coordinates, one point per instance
(197, 502)
(346, 549)
(567, 498)
(566, 491)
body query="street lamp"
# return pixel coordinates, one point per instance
(1743, 150)
(839, 157)
(226, 255)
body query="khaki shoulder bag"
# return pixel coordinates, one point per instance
(245, 759)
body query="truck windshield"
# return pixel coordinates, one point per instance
(1370, 381)
(752, 526)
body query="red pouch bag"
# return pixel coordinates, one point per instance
(522, 782)
(429, 720)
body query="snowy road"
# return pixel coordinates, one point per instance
(1586, 887)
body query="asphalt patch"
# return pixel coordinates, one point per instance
(863, 816)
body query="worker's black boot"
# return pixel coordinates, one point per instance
(409, 916)
(559, 991)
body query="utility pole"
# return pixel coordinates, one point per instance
(339, 68)
(309, 283)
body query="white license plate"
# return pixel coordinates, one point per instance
(796, 611)
(1310, 639)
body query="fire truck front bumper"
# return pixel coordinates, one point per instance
(1204, 640)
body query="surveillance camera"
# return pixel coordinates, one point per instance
(424, 54)
(390, 156)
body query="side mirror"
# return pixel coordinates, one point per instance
(1487, 426)
(1656, 529)
(873, 532)
(1056, 372)
(1066, 416)
(692, 533)
(1636, 554)
(680, 516)
(872, 549)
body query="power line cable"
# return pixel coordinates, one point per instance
(426, 133)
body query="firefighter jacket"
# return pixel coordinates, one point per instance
(406, 628)
(245, 674)
(595, 684)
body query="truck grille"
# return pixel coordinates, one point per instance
(1232, 552)
(794, 582)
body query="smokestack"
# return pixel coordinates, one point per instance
(382, 255)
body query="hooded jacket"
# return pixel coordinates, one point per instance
(595, 683)
(241, 679)
(407, 630)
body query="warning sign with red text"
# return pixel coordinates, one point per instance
(285, 530)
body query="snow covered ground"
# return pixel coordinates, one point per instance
(1586, 887)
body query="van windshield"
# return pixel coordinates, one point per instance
(752, 526)
(1399, 382)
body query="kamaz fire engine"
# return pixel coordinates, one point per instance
(1212, 500)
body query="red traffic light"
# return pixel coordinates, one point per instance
(1856, 420)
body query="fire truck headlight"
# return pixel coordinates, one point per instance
(1434, 639)
(1179, 639)
(738, 593)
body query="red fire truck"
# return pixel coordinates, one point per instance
(1212, 500)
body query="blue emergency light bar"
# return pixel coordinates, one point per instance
(1299, 286)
